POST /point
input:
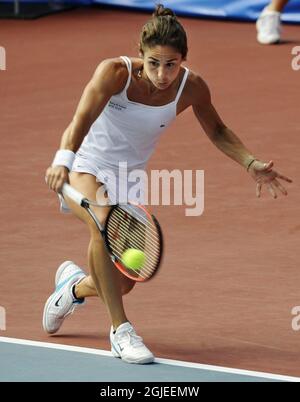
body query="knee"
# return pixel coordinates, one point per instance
(94, 229)
(96, 243)
(101, 218)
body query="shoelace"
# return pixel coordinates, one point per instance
(133, 338)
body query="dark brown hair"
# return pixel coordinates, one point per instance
(164, 29)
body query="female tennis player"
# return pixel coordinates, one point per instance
(123, 110)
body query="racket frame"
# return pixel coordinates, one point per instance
(116, 260)
(85, 203)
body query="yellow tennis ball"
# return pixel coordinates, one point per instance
(133, 259)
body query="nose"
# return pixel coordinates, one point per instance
(162, 75)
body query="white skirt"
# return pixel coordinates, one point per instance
(120, 183)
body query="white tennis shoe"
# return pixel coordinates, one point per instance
(268, 27)
(127, 345)
(62, 302)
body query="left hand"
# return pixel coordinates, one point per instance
(263, 173)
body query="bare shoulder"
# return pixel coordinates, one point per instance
(197, 89)
(111, 73)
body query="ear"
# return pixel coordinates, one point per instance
(141, 50)
(183, 58)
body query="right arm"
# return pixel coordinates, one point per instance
(109, 79)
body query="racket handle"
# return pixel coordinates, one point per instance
(75, 195)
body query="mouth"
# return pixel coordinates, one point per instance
(162, 84)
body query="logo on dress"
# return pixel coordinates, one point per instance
(116, 106)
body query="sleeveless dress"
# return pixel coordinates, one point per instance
(122, 139)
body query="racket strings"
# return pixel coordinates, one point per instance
(131, 228)
(137, 213)
(124, 242)
(120, 232)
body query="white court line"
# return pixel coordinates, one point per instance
(170, 362)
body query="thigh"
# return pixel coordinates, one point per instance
(87, 184)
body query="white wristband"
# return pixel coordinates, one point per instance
(64, 157)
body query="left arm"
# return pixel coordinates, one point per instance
(225, 140)
(222, 137)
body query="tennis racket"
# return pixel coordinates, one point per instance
(127, 226)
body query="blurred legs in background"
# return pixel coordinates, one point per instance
(268, 24)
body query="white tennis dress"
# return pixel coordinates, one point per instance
(123, 137)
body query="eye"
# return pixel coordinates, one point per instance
(170, 65)
(153, 63)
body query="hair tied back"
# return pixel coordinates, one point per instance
(161, 11)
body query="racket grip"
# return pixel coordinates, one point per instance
(75, 195)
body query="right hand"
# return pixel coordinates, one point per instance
(56, 176)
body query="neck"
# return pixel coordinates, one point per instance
(143, 76)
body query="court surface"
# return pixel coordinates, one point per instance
(230, 277)
(23, 360)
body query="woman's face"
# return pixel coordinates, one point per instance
(162, 65)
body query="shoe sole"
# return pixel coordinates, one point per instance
(262, 42)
